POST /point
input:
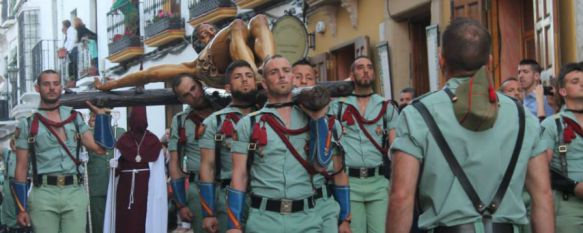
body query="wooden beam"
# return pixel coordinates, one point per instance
(166, 96)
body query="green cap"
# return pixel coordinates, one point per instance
(476, 107)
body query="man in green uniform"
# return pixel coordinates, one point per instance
(466, 150)
(50, 140)
(215, 166)
(368, 121)
(326, 207)
(563, 138)
(8, 207)
(269, 151)
(185, 134)
(98, 178)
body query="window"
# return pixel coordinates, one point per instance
(28, 36)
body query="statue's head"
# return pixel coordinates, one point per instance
(202, 35)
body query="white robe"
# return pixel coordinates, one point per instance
(156, 215)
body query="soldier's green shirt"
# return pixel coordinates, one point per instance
(9, 163)
(191, 152)
(275, 173)
(360, 152)
(208, 139)
(550, 140)
(483, 156)
(50, 156)
(98, 168)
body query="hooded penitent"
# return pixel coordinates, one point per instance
(128, 143)
(476, 107)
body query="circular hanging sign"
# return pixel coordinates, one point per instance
(291, 38)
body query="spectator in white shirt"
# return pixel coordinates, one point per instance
(70, 44)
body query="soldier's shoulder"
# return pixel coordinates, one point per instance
(426, 96)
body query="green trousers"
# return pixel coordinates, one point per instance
(221, 208)
(8, 206)
(568, 214)
(97, 208)
(55, 209)
(369, 198)
(329, 210)
(193, 203)
(264, 221)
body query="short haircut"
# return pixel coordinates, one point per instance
(353, 65)
(45, 72)
(509, 79)
(533, 65)
(466, 45)
(566, 69)
(409, 90)
(268, 59)
(234, 65)
(66, 23)
(177, 80)
(303, 61)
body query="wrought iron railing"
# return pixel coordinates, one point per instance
(86, 63)
(45, 56)
(200, 7)
(123, 27)
(162, 15)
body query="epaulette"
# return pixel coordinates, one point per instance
(425, 95)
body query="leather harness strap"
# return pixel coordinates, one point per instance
(457, 169)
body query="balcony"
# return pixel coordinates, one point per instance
(211, 11)
(123, 32)
(45, 56)
(164, 24)
(251, 4)
(86, 64)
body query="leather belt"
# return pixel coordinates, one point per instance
(282, 206)
(60, 181)
(364, 172)
(469, 228)
(320, 192)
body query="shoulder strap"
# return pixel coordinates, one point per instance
(33, 130)
(179, 146)
(562, 145)
(457, 170)
(218, 150)
(250, 151)
(78, 138)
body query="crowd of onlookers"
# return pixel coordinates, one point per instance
(77, 35)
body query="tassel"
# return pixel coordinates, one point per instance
(262, 136)
(255, 132)
(347, 116)
(568, 135)
(492, 94)
(227, 128)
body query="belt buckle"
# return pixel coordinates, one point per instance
(61, 181)
(363, 172)
(563, 148)
(252, 146)
(219, 137)
(285, 206)
(31, 139)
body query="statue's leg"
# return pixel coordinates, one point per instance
(238, 46)
(158, 73)
(264, 42)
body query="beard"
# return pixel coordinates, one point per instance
(363, 83)
(248, 97)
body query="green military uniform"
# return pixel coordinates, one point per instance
(569, 213)
(56, 208)
(275, 175)
(326, 206)
(8, 205)
(189, 161)
(442, 199)
(207, 141)
(98, 175)
(368, 195)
